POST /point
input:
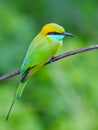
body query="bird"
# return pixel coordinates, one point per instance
(42, 48)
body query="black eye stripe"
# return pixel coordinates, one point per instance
(54, 33)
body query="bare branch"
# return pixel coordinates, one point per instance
(9, 75)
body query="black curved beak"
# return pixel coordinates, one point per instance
(68, 34)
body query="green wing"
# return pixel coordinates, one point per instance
(39, 52)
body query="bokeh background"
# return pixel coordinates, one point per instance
(62, 95)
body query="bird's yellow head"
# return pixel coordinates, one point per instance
(54, 31)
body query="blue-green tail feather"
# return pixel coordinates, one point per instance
(17, 96)
(20, 89)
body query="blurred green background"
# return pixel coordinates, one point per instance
(64, 94)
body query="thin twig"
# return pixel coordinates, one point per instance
(9, 75)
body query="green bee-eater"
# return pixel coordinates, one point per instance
(43, 47)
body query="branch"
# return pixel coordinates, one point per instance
(9, 75)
